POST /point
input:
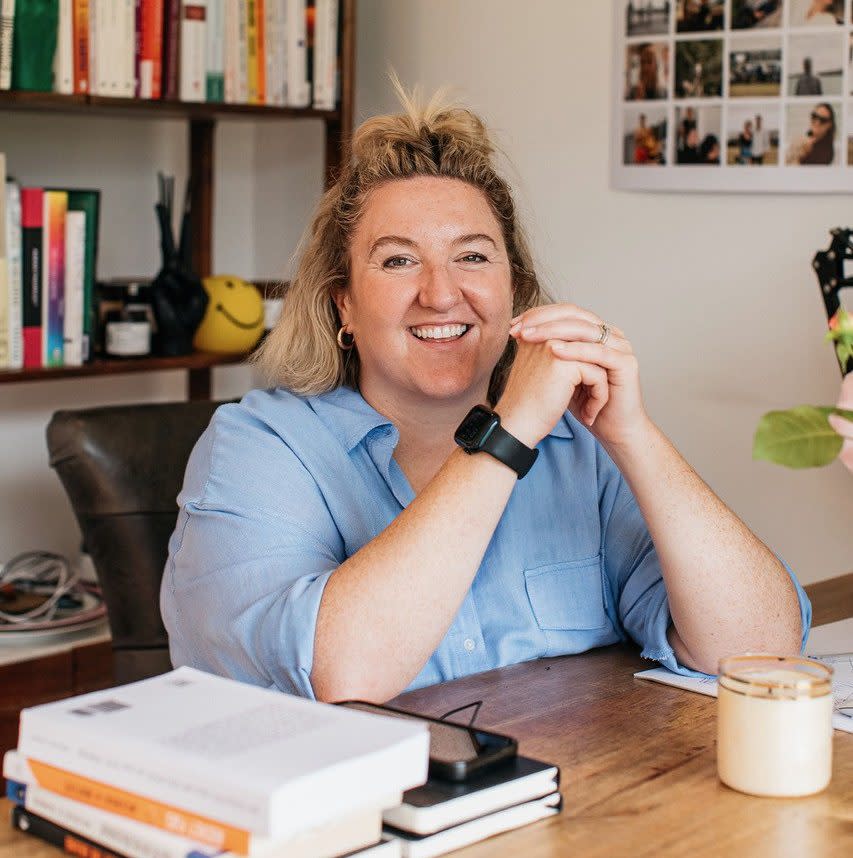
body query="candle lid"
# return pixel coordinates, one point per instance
(775, 676)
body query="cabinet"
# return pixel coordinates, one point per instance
(202, 119)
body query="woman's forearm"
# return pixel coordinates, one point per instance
(727, 591)
(386, 609)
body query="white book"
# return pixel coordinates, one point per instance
(430, 845)
(272, 84)
(115, 47)
(298, 85)
(127, 65)
(7, 27)
(193, 51)
(75, 254)
(129, 837)
(325, 54)
(103, 39)
(63, 58)
(243, 53)
(247, 757)
(94, 8)
(14, 273)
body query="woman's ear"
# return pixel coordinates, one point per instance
(340, 295)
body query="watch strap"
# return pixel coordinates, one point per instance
(508, 449)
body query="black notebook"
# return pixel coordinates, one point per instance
(440, 804)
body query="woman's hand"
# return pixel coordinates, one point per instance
(572, 335)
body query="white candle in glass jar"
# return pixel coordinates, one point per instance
(774, 725)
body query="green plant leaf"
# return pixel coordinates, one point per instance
(847, 415)
(798, 438)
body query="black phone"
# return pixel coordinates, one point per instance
(456, 751)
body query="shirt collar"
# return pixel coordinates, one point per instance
(347, 415)
(351, 419)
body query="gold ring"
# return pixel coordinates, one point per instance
(605, 334)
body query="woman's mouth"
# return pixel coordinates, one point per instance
(439, 333)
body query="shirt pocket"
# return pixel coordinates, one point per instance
(568, 595)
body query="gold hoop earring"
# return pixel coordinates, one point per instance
(345, 339)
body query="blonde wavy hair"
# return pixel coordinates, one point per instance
(432, 139)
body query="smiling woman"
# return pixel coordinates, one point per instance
(448, 475)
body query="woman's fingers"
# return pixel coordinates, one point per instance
(591, 393)
(573, 330)
(603, 356)
(553, 312)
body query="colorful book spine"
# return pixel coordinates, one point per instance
(80, 35)
(4, 272)
(151, 49)
(193, 53)
(75, 270)
(53, 278)
(7, 26)
(215, 34)
(127, 804)
(63, 60)
(171, 49)
(298, 86)
(32, 213)
(14, 273)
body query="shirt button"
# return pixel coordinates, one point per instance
(469, 645)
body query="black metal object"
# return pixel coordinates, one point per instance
(829, 267)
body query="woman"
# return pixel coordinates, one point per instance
(817, 146)
(647, 86)
(335, 541)
(744, 143)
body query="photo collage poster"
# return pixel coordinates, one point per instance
(733, 95)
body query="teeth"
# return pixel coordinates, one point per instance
(440, 332)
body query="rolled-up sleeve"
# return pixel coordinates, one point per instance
(251, 554)
(634, 575)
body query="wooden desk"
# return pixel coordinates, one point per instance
(638, 766)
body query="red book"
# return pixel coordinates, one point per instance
(32, 214)
(171, 49)
(151, 49)
(80, 25)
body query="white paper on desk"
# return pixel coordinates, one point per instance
(820, 637)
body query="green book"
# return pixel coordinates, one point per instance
(34, 44)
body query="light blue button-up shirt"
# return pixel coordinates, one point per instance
(280, 490)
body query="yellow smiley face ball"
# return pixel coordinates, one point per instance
(234, 319)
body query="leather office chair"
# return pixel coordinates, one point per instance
(122, 468)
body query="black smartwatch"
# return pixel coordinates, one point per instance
(481, 431)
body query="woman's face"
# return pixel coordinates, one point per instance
(821, 122)
(430, 295)
(649, 66)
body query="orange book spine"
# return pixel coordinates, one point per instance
(80, 25)
(151, 50)
(149, 811)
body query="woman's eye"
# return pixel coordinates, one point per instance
(474, 257)
(396, 262)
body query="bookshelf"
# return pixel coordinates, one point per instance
(202, 119)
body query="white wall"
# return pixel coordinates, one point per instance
(715, 291)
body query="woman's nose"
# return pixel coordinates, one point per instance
(439, 291)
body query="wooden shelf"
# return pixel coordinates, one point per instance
(121, 366)
(53, 102)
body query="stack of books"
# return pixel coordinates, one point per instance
(275, 52)
(441, 816)
(48, 254)
(190, 765)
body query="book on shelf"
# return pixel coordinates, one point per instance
(193, 50)
(298, 84)
(32, 213)
(475, 830)
(150, 48)
(14, 275)
(171, 48)
(63, 59)
(439, 804)
(215, 35)
(325, 55)
(274, 51)
(75, 271)
(80, 37)
(249, 758)
(7, 24)
(53, 278)
(346, 834)
(34, 44)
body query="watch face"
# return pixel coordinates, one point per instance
(476, 428)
